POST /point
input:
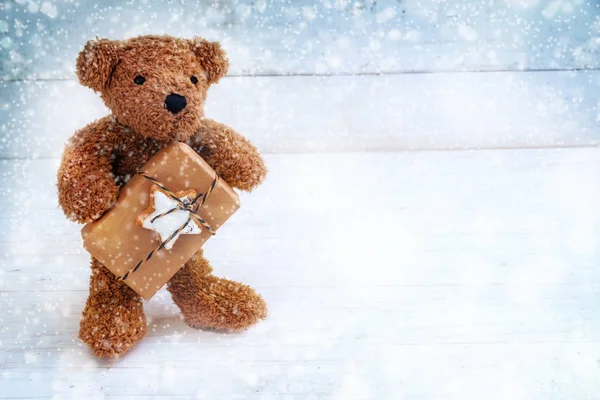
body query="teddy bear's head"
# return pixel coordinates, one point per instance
(155, 85)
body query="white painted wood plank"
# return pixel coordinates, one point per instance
(468, 274)
(306, 37)
(308, 114)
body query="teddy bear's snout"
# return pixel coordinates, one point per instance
(175, 103)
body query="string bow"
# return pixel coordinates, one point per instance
(185, 204)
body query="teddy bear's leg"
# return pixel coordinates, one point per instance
(214, 303)
(113, 319)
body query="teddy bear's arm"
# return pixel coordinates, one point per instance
(85, 182)
(230, 154)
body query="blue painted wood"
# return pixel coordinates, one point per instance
(301, 37)
(341, 113)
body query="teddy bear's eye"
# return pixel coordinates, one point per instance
(194, 80)
(139, 80)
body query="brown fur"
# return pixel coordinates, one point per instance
(113, 318)
(101, 157)
(215, 303)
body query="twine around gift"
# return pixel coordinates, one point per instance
(191, 207)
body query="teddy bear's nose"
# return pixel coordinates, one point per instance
(175, 103)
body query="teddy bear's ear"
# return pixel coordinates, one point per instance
(212, 58)
(96, 63)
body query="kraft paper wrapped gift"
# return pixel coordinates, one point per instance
(155, 226)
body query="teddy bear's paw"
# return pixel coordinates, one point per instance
(84, 196)
(220, 304)
(112, 334)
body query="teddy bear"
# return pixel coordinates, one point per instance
(155, 88)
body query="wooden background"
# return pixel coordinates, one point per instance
(390, 273)
(335, 75)
(330, 37)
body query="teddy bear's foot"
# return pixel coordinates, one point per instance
(219, 304)
(113, 319)
(208, 302)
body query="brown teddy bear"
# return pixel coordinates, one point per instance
(155, 87)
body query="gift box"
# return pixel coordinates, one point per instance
(162, 216)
